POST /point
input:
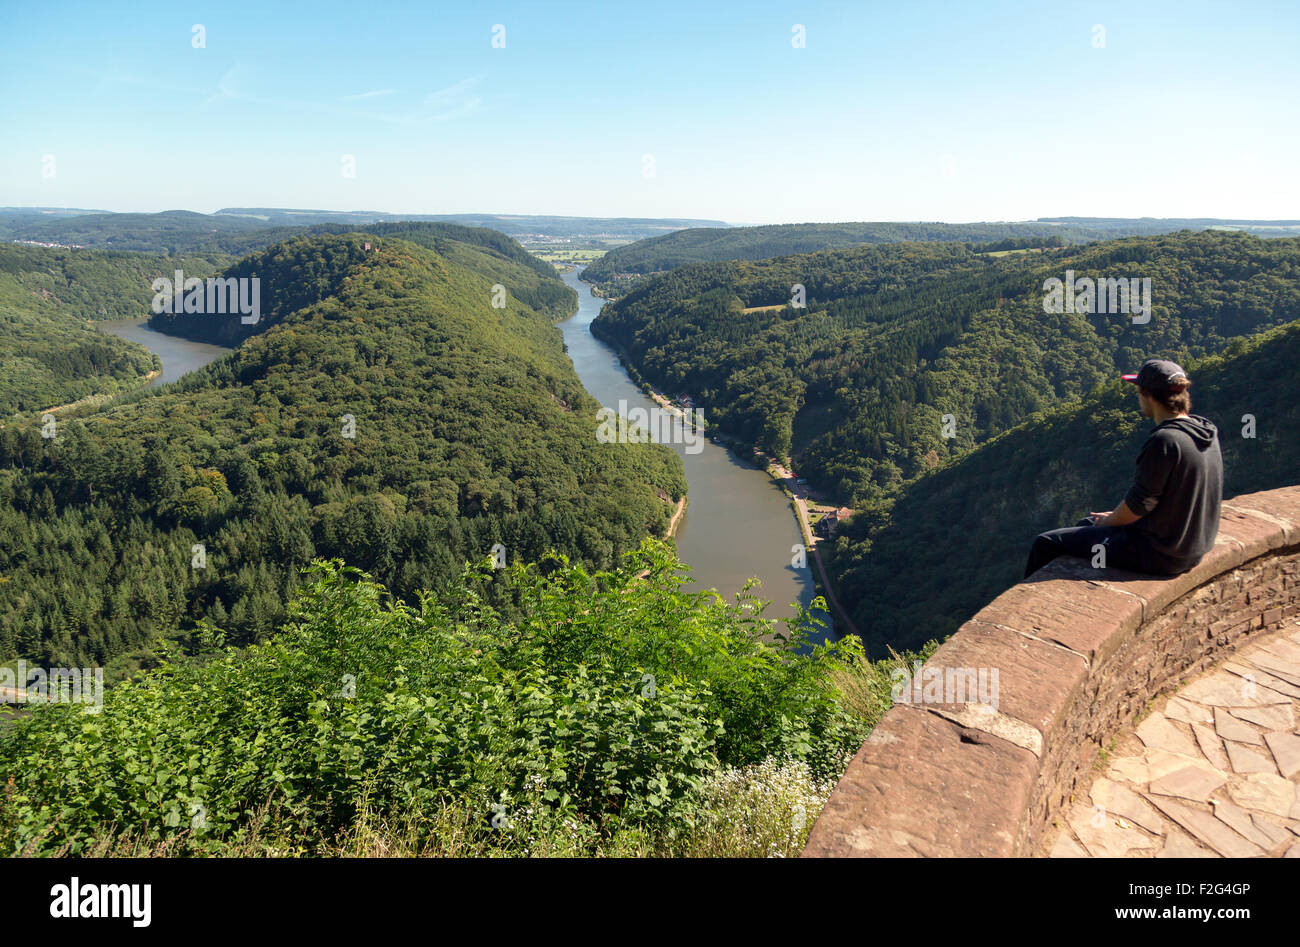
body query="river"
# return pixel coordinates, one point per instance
(738, 523)
(178, 355)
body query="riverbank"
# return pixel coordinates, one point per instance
(103, 397)
(677, 518)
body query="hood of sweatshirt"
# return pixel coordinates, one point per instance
(1201, 430)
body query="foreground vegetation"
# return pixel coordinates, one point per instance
(615, 714)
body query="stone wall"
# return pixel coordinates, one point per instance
(1078, 652)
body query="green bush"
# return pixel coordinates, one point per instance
(610, 706)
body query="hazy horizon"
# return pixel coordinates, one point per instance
(729, 223)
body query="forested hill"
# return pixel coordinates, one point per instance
(656, 254)
(895, 337)
(50, 351)
(302, 271)
(959, 536)
(471, 428)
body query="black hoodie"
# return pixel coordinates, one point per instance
(1178, 489)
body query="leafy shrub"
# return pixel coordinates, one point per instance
(611, 705)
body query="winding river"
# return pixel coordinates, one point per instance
(738, 523)
(178, 355)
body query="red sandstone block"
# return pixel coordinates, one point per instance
(918, 788)
(1083, 616)
(1282, 504)
(1038, 682)
(1256, 534)
(1158, 592)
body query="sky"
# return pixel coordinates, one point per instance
(916, 110)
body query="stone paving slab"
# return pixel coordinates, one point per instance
(1211, 771)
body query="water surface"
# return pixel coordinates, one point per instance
(178, 355)
(738, 523)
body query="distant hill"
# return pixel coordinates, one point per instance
(529, 279)
(242, 230)
(516, 225)
(173, 231)
(471, 429)
(957, 537)
(1134, 226)
(657, 254)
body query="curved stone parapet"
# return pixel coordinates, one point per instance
(1008, 716)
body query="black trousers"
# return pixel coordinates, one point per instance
(1125, 549)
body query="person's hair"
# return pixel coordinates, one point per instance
(1176, 399)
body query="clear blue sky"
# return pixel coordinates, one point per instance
(893, 111)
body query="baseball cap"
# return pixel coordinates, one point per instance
(1159, 374)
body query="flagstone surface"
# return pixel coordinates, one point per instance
(1212, 771)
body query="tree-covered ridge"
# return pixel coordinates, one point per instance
(657, 254)
(173, 231)
(894, 338)
(957, 537)
(50, 351)
(471, 428)
(306, 270)
(239, 231)
(605, 704)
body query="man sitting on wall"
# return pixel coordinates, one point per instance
(1170, 516)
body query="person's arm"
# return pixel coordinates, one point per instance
(1120, 516)
(1153, 466)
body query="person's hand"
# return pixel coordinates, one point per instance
(1098, 517)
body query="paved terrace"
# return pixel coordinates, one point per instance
(1214, 771)
(1135, 716)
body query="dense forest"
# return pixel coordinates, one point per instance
(50, 352)
(385, 412)
(957, 537)
(894, 338)
(657, 254)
